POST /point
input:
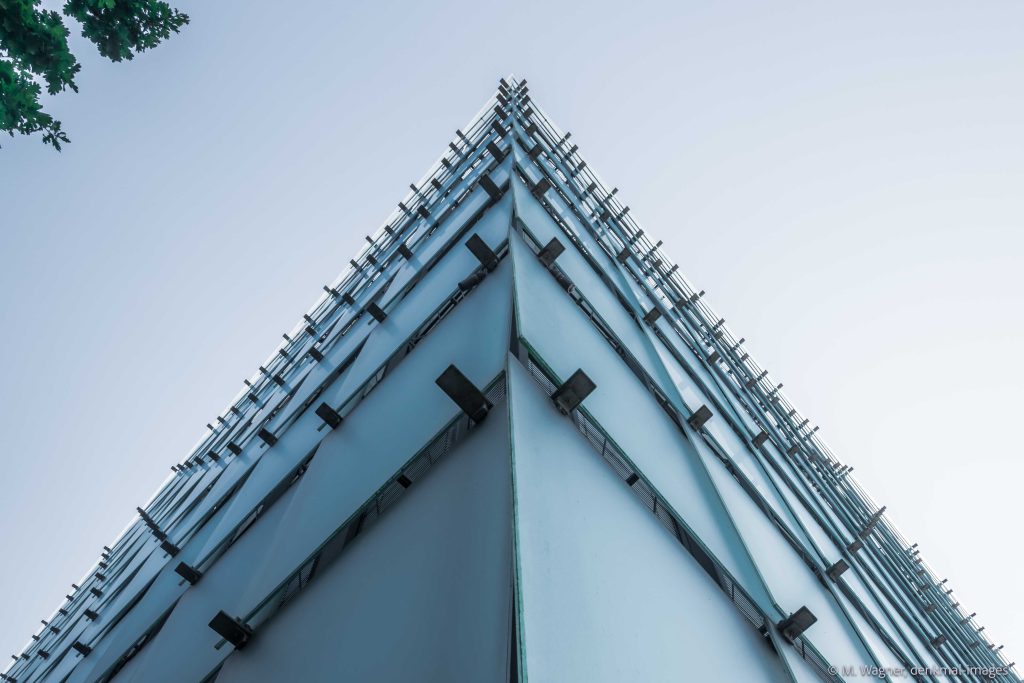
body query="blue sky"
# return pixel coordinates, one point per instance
(843, 179)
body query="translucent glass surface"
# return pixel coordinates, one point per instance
(607, 594)
(166, 589)
(600, 295)
(814, 532)
(187, 629)
(791, 582)
(439, 283)
(153, 559)
(237, 469)
(883, 655)
(694, 396)
(694, 389)
(428, 246)
(423, 595)
(206, 478)
(59, 669)
(910, 631)
(266, 473)
(567, 341)
(895, 626)
(391, 424)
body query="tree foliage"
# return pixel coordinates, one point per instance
(34, 51)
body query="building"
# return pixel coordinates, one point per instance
(510, 442)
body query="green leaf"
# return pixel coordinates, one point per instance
(34, 48)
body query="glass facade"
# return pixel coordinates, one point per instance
(510, 442)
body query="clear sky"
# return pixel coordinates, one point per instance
(844, 179)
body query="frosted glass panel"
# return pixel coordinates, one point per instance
(439, 284)
(695, 395)
(566, 340)
(59, 669)
(900, 634)
(791, 582)
(423, 595)
(167, 588)
(267, 473)
(154, 559)
(176, 520)
(543, 228)
(923, 650)
(883, 655)
(607, 593)
(703, 380)
(187, 629)
(301, 437)
(750, 465)
(313, 377)
(433, 243)
(390, 425)
(813, 529)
